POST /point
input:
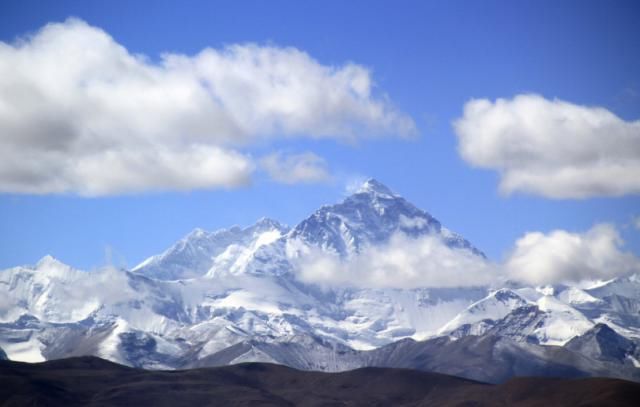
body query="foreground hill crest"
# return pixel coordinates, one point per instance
(90, 381)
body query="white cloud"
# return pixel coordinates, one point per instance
(550, 147)
(79, 113)
(536, 259)
(636, 222)
(296, 168)
(402, 262)
(412, 223)
(561, 256)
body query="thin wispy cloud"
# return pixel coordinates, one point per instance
(551, 148)
(79, 113)
(305, 168)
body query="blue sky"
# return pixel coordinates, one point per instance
(427, 58)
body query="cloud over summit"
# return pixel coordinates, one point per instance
(81, 114)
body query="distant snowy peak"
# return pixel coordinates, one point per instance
(577, 297)
(521, 316)
(370, 216)
(43, 290)
(375, 187)
(46, 268)
(49, 264)
(495, 306)
(196, 253)
(49, 261)
(625, 286)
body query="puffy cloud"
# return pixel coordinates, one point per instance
(561, 256)
(551, 148)
(402, 262)
(296, 168)
(536, 259)
(123, 169)
(79, 113)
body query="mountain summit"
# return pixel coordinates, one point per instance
(370, 216)
(373, 186)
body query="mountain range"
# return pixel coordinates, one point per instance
(238, 295)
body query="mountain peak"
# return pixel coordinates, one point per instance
(373, 186)
(269, 223)
(196, 233)
(50, 264)
(48, 260)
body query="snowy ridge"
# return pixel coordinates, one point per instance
(195, 254)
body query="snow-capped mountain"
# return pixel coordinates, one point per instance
(369, 216)
(234, 295)
(524, 315)
(201, 252)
